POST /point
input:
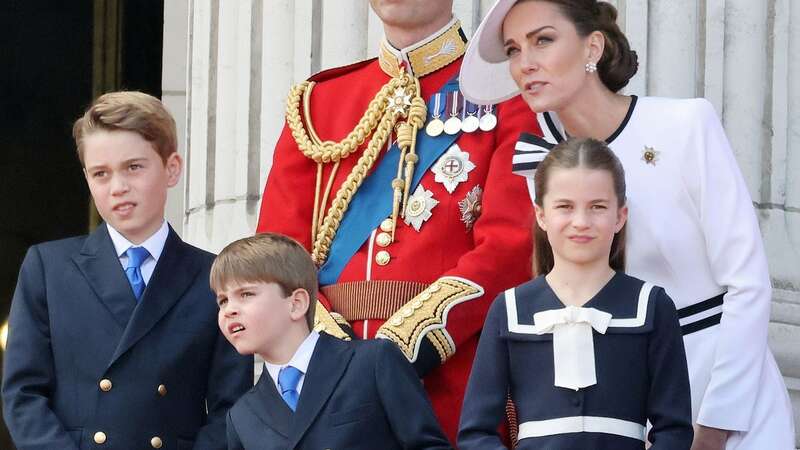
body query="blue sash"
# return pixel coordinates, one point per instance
(371, 204)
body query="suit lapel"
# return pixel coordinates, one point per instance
(269, 406)
(328, 363)
(99, 264)
(173, 274)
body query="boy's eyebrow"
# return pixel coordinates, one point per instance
(568, 200)
(529, 34)
(243, 287)
(125, 162)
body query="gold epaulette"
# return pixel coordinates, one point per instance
(425, 316)
(328, 322)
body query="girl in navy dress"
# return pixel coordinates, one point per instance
(588, 354)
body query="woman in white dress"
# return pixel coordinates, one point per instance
(692, 227)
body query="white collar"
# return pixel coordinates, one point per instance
(154, 244)
(300, 360)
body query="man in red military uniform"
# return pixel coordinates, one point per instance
(403, 192)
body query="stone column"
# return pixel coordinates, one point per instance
(244, 55)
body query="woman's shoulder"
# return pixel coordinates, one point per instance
(677, 110)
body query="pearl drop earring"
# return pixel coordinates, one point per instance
(591, 67)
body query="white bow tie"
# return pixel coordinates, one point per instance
(573, 344)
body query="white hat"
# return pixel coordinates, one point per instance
(485, 78)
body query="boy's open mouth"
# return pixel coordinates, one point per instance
(235, 328)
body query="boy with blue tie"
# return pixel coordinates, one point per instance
(317, 391)
(112, 343)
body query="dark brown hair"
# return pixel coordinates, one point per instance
(133, 111)
(619, 63)
(268, 258)
(578, 153)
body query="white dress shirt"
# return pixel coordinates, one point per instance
(154, 245)
(300, 361)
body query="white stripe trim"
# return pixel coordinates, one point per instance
(528, 147)
(546, 133)
(641, 313)
(701, 315)
(528, 157)
(582, 424)
(641, 310)
(511, 311)
(370, 258)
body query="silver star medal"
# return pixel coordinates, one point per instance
(419, 207)
(452, 168)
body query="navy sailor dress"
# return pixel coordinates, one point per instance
(636, 371)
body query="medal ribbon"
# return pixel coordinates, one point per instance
(371, 203)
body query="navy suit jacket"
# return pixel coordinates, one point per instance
(356, 395)
(85, 361)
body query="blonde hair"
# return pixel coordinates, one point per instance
(267, 258)
(133, 111)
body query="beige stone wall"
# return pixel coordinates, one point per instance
(229, 64)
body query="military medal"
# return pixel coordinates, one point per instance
(650, 155)
(435, 126)
(452, 168)
(453, 125)
(470, 207)
(471, 122)
(419, 207)
(488, 120)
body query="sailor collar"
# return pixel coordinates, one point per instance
(427, 56)
(628, 300)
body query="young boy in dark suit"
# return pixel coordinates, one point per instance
(317, 392)
(112, 342)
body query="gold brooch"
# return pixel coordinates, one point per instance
(650, 155)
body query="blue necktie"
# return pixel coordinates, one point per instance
(288, 378)
(136, 256)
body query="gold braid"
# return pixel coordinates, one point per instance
(400, 97)
(328, 151)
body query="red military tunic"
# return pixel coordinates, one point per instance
(479, 240)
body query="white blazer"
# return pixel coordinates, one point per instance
(692, 229)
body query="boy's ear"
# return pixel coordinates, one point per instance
(539, 216)
(174, 166)
(300, 300)
(622, 217)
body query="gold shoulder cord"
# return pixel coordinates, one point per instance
(398, 103)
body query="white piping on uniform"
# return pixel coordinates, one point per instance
(582, 424)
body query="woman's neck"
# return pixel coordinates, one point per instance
(576, 284)
(595, 112)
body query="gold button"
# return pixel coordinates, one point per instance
(162, 390)
(383, 239)
(99, 438)
(383, 257)
(156, 442)
(105, 385)
(386, 225)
